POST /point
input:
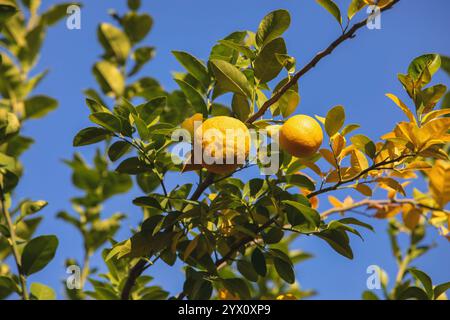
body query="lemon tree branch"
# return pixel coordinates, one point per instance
(346, 35)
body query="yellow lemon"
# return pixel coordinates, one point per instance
(189, 123)
(301, 136)
(225, 143)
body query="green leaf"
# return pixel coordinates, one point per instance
(141, 56)
(301, 181)
(272, 26)
(259, 262)
(288, 103)
(245, 50)
(90, 135)
(338, 240)
(230, 79)
(109, 78)
(137, 26)
(38, 106)
(357, 222)
(241, 106)
(107, 121)
(30, 207)
(194, 66)
(428, 63)
(424, 279)
(132, 165)
(194, 97)
(332, 8)
(134, 4)
(440, 289)
(284, 270)
(412, 293)
(118, 149)
(237, 287)
(147, 202)
(246, 269)
(334, 120)
(355, 7)
(114, 41)
(37, 253)
(308, 213)
(369, 295)
(7, 10)
(57, 13)
(364, 144)
(266, 65)
(40, 291)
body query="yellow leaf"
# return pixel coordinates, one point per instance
(358, 161)
(338, 144)
(418, 165)
(328, 155)
(411, 218)
(389, 183)
(403, 107)
(335, 202)
(364, 189)
(435, 114)
(439, 182)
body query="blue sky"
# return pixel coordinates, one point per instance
(357, 75)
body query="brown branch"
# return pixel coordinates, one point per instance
(346, 35)
(375, 166)
(368, 202)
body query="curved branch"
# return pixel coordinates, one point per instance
(346, 35)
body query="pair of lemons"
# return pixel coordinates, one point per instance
(300, 136)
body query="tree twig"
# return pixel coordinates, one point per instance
(346, 35)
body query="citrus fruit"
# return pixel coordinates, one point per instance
(225, 143)
(189, 123)
(301, 136)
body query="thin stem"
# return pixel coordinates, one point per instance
(13, 243)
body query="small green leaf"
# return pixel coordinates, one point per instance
(195, 98)
(40, 291)
(272, 26)
(355, 7)
(38, 106)
(301, 181)
(424, 279)
(147, 202)
(247, 270)
(107, 121)
(266, 65)
(338, 240)
(357, 222)
(425, 63)
(364, 144)
(241, 106)
(37, 253)
(132, 165)
(259, 262)
(90, 135)
(230, 79)
(334, 120)
(194, 66)
(440, 289)
(118, 149)
(114, 41)
(284, 270)
(109, 78)
(332, 8)
(237, 287)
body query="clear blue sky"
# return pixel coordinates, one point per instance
(357, 76)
